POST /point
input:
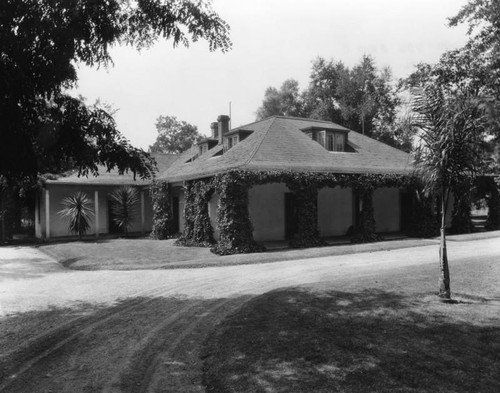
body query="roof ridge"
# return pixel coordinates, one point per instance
(306, 119)
(260, 144)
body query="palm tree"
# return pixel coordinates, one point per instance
(124, 206)
(450, 125)
(78, 212)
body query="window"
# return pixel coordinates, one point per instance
(321, 138)
(329, 142)
(230, 141)
(339, 142)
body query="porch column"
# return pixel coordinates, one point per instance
(143, 220)
(96, 210)
(47, 214)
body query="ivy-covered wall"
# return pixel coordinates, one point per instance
(198, 230)
(163, 227)
(233, 218)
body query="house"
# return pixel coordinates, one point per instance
(49, 224)
(273, 146)
(294, 145)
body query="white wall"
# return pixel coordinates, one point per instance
(59, 225)
(334, 211)
(386, 208)
(267, 211)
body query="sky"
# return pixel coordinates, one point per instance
(273, 40)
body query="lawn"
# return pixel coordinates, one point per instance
(383, 332)
(137, 254)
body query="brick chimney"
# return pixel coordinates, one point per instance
(215, 130)
(223, 126)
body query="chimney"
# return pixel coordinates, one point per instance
(215, 130)
(223, 127)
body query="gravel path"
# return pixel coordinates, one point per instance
(30, 280)
(142, 331)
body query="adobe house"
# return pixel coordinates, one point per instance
(275, 153)
(48, 223)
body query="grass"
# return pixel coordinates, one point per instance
(143, 253)
(122, 254)
(136, 254)
(380, 333)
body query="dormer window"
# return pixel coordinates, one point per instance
(234, 137)
(331, 139)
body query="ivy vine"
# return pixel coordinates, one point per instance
(233, 219)
(198, 231)
(163, 227)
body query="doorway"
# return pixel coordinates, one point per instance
(290, 216)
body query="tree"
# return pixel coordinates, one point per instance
(41, 41)
(174, 136)
(124, 207)
(283, 102)
(450, 126)
(77, 210)
(321, 97)
(361, 98)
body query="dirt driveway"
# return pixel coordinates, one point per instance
(141, 331)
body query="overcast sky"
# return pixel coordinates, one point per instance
(273, 40)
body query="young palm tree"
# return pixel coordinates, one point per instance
(124, 206)
(450, 126)
(77, 210)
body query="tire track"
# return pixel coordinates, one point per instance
(52, 341)
(18, 362)
(141, 375)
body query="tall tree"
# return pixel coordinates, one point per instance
(284, 102)
(174, 136)
(450, 127)
(321, 97)
(41, 41)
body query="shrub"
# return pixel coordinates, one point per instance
(124, 206)
(77, 210)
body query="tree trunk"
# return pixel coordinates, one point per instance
(444, 278)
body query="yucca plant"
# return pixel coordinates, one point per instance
(124, 206)
(78, 211)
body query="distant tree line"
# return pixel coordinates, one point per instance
(361, 98)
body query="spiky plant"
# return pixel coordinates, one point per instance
(124, 206)
(78, 211)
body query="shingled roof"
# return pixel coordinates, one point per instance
(278, 143)
(163, 162)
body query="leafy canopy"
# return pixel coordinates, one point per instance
(174, 136)
(42, 41)
(361, 98)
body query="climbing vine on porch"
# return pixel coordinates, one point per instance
(163, 227)
(233, 218)
(306, 199)
(198, 231)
